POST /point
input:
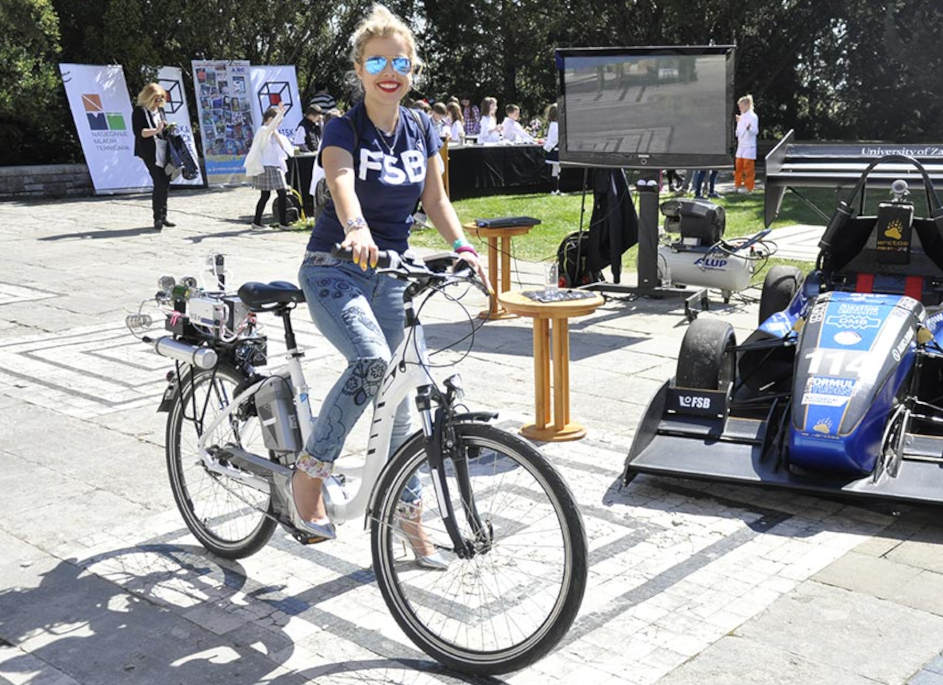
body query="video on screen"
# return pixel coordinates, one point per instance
(632, 106)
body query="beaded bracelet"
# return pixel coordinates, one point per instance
(354, 224)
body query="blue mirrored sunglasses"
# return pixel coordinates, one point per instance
(374, 65)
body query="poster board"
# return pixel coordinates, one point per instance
(101, 108)
(223, 96)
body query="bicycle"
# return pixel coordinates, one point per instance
(491, 503)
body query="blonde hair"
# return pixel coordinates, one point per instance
(455, 112)
(149, 92)
(748, 99)
(381, 23)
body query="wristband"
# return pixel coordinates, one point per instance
(460, 242)
(354, 224)
(466, 248)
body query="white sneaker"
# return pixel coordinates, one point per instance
(742, 191)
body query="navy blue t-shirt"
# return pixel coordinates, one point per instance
(390, 174)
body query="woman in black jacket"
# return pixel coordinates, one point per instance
(148, 121)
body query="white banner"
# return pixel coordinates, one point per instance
(101, 109)
(171, 79)
(223, 97)
(271, 86)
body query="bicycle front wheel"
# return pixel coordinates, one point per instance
(512, 602)
(228, 516)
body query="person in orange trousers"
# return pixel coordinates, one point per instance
(748, 126)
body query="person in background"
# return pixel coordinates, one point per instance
(148, 121)
(265, 164)
(378, 162)
(675, 180)
(511, 128)
(439, 115)
(457, 126)
(687, 182)
(489, 131)
(308, 132)
(331, 114)
(699, 183)
(471, 116)
(322, 98)
(552, 148)
(748, 127)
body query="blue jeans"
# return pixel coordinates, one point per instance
(360, 313)
(699, 182)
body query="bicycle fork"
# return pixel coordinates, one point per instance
(441, 443)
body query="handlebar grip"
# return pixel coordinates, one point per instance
(345, 254)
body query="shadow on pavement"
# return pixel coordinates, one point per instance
(99, 234)
(161, 613)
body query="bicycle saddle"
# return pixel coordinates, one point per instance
(259, 296)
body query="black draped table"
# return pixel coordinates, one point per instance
(474, 170)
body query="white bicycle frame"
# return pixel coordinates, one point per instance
(398, 383)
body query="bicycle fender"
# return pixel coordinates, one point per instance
(476, 417)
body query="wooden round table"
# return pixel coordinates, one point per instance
(549, 342)
(491, 234)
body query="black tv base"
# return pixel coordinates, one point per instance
(647, 265)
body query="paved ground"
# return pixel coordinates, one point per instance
(101, 583)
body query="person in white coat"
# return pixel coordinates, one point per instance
(551, 148)
(265, 165)
(748, 126)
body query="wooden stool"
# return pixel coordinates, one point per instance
(492, 233)
(545, 340)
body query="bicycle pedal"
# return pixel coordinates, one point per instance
(306, 539)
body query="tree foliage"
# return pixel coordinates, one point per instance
(29, 79)
(830, 69)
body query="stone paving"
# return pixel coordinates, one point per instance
(689, 582)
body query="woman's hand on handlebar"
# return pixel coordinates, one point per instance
(360, 242)
(474, 262)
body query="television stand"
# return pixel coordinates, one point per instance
(648, 283)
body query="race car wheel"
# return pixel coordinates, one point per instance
(780, 286)
(707, 359)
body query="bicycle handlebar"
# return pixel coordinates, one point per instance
(404, 268)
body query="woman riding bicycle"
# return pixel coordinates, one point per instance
(379, 159)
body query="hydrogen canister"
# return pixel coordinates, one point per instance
(705, 268)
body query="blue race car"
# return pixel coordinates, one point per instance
(840, 388)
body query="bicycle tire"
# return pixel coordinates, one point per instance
(502, 467)
(226, 516)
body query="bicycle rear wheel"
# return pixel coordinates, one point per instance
(227, 516)
(511, 603)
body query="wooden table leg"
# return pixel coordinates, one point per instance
(495, 310)
(505, 263)
(542, 371)
(561, 428)
(561, 374)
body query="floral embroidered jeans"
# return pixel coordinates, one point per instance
(361, 314)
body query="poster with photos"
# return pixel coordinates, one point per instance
(225, 117)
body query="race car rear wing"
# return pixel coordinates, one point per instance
(791, 165)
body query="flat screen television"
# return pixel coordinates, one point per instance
(647, 107)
